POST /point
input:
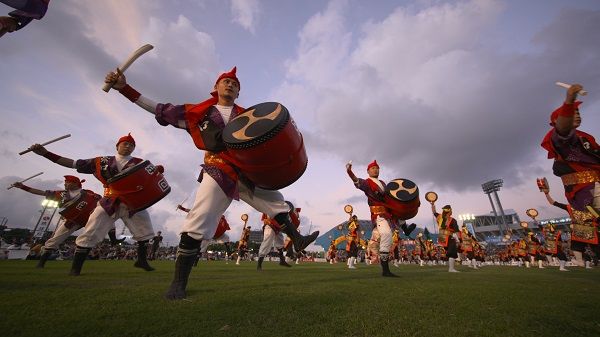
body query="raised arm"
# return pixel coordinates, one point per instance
(120, 83)
(62, 161)
(350, 173)
(29, 189)
(564, 122)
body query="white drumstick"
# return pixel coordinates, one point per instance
(567, 86)
(24, 180)
(46, 143)
(134, 56)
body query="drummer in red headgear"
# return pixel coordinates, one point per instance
(220, 181)
(65, 227)
(380, 216)
(576, 157)
(110, 208)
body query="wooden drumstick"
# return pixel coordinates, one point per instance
(567, 86)
(134, 56)
(24, 180)
(46, 143)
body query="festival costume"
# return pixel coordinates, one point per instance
(272, 236)
(577, 162)
(374, 189)
(110, 208)
(65, 227)
(447, 227)
(220, 181)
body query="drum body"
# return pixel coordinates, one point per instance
(402, 198)
(77, 210)
(139, 187)
(265, 144)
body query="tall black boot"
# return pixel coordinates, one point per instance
(282, 259)
(300, 241)
(260, 261)
(186, 254)
(45, 255)
(384, 258)
(81, 254)
(142, 259)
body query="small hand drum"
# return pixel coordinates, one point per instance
(348, 209)
(431, 197)
(532, 212)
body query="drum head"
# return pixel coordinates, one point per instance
(431, 196)
(402, 189)
(257, 124)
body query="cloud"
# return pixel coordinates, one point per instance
(424, 94)
(246, 13)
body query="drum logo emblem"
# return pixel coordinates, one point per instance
(81, 205)
(241, 133)
(163, 185)
(150, 169)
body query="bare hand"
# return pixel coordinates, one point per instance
(572, 93)
(349, 166)
(38, 149)
(117, 79)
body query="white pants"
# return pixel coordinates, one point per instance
(270, 238)
(205, 243)
(211, 202)
(385, 234)
(100, 223)
(61, 234)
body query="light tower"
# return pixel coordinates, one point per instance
(493, 186)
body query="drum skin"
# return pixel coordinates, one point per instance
(77, 211)
(267, 147)
(139, 187)
(402, 198)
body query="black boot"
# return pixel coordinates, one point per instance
(142, 253)
(81, 254)
(45, 255)
(186, 254)
(282, 259)
(112, 235)
(384, 258)
(300, 241)
(408, 229)
(260, 261)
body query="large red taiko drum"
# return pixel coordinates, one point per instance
(265, 144)
(77, 210)
(139, 186)
(402, 198)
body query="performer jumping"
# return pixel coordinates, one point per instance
(220, 181)
(110, 208)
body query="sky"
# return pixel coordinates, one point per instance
(448, 94)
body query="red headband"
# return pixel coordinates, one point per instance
(374, 163)
(127, 138)
(74, 179)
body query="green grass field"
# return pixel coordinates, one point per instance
(111, 298)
